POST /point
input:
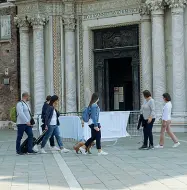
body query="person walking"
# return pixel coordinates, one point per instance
(95, 126)
(24, 124)
(51, 125)
(148, 111)
(166, 123)
(52, 139)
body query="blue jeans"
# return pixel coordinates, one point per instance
(53, 130)
(28, 130)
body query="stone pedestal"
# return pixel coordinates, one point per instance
(38, 47)
(158, 51)
(70, 65)
(146, 44)
(179, 94)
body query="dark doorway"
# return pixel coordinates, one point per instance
(118, 84)
(116, 68)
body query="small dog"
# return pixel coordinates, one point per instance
(79, 144)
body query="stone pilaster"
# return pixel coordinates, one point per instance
(38, 47)
(146, 50)
(23, 26)
(158, 50)
(70, 65)
(179, 90)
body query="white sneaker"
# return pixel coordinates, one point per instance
(64, 150)
(176, 145)
(35, 148)
(43, 151)
(83, 151)
(102, 153)
(159, 146)
(54, 148)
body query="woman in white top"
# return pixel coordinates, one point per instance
(166, 122)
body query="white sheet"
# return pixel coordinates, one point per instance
(113, 125)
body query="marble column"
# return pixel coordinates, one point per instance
(39, 78)
(146, 50)
(24, 54)
(70, 65)
(179, 90)
(158, 51)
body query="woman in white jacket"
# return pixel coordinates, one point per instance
(166, 122)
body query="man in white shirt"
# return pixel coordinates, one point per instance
(23, 123)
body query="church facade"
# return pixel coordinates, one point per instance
(117, 48)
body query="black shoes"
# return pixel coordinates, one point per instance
(143, 147)
(20, 153)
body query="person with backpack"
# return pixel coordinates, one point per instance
(51, 125)
(91, 115)
(24, 124)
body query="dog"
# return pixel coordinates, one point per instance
(79, 144)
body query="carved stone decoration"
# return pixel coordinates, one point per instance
(69, 22)
(144, 10)
(176, 3)
(155, 5)
(21, 22)
(116, 37)
(37, 21)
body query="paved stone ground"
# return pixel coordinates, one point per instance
(125, 168)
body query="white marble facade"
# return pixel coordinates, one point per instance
(163, 29)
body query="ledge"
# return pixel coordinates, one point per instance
(6, 5)
(5, 41)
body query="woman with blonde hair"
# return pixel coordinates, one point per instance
(166, 122)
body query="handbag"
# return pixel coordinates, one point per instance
(32, 122)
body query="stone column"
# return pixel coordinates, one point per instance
(24, 54)
(146, 44)
(70, 65)
(39, 78)
(158, 51)
(179, 90)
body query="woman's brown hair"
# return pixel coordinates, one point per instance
(167, 96)
(94, 98)
(146, 93)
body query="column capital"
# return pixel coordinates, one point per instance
(144, 10)
(22, 23)
(155, 5)
(37, 22)
(176, 3)
(69, 22)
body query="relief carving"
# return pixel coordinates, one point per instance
(116, 38)
(176, 3)
(155, 5)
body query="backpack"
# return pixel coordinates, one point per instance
(86, 114)
(13, 114)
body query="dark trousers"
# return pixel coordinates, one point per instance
(28, 130)
(95, 135)
(147, 130)
(51, 140)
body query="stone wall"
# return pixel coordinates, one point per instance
(9, 94)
